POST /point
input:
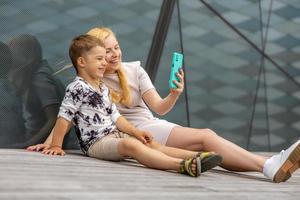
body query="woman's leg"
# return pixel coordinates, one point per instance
(235, 158)
(148, 156)
(172, 151)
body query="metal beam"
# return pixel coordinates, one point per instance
(159, 38)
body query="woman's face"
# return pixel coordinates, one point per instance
(113, 54)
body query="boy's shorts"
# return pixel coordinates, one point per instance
(106, 148)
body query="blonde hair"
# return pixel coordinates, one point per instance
(123, 96)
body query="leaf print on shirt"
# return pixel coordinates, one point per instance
(87, 120)
(75, 94)
(69, 112)
(109, 110)
(96, 119)
(106, 131)
(78, 134)
(94, 100)
(83, 117)
(92, 134)
(76, 120)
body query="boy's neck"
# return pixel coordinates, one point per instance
(92, 81)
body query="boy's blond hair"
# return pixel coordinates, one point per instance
(81, 45)
(124, 96)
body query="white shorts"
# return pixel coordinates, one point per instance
(159, 128)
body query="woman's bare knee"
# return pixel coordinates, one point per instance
(209, 132)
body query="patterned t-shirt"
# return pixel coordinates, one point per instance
(92, 113)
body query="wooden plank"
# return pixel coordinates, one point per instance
(32, 175)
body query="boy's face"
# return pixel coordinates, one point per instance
(94, 63)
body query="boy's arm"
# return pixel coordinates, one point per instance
(124, 126)
(50, 113)
(46, 144)
(60, 129)
(41, 147)
(49, 138)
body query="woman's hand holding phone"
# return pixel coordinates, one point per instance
(179, 84)
(176, 80)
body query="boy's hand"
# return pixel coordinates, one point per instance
(144, 136)
(54, 150)
(38, 147)
(180, 84)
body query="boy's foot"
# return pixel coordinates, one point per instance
(191, 166)
(209, 160)
(280, 167)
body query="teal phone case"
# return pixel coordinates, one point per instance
(177, 60)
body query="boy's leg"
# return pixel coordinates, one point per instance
(170, 151)
(148, 156)
(208, 160)
(115, 148)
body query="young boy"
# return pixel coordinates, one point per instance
(102, 132)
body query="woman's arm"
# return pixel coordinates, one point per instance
(163, 106)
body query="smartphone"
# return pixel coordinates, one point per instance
(177, 61)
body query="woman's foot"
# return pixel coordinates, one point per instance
(280, 167)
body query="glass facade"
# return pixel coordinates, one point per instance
(222, 69)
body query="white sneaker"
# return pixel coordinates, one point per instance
(280, 166)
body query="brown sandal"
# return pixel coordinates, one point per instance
(186, 167)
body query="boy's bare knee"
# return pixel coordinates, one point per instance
(129, 145)
(154, 145)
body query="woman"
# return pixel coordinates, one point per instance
(131, 88)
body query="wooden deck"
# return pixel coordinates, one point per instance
(32, 175)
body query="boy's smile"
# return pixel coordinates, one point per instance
(94, 62)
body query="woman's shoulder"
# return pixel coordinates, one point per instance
(134, 68)
(131, 66)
